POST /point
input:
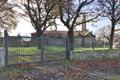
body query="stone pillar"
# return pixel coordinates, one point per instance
(2, 57)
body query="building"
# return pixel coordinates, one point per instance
(81, 38)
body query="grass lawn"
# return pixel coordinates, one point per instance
(31, 54)
(35, 50)
(52, 49)
(23, 50)
(90, 49)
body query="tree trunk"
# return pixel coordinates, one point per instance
(112, 35)
(5, 44)
(41, 44)
(71, 38)
(69, 44)
(39, 34)
(42, 47)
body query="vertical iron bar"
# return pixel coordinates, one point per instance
(5, 43)
(42, 47)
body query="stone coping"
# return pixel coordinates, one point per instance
(95, 55)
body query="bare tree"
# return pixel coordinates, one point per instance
(39, 12)
(104, 33)
(110, 9)
(71, 12)
(2, 2)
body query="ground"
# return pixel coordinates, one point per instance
(64, 70)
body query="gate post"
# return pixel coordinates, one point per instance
(5, 44)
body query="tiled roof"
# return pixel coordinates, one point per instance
(55, 32)
(64, 33)
(85, 34)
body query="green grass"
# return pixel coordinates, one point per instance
(26, 53)
(35, 50)
(23, 50)
(90, 49)
(52, 49)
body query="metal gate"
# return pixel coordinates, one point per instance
(22, 50)
(54, 48)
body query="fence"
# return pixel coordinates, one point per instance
(55, 48)
(23, 49)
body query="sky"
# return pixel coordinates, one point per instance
(25, 28)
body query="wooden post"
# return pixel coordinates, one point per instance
(5, 44)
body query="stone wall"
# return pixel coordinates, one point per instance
(2, 57)
(92, 55)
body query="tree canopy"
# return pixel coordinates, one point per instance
(39, 12)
